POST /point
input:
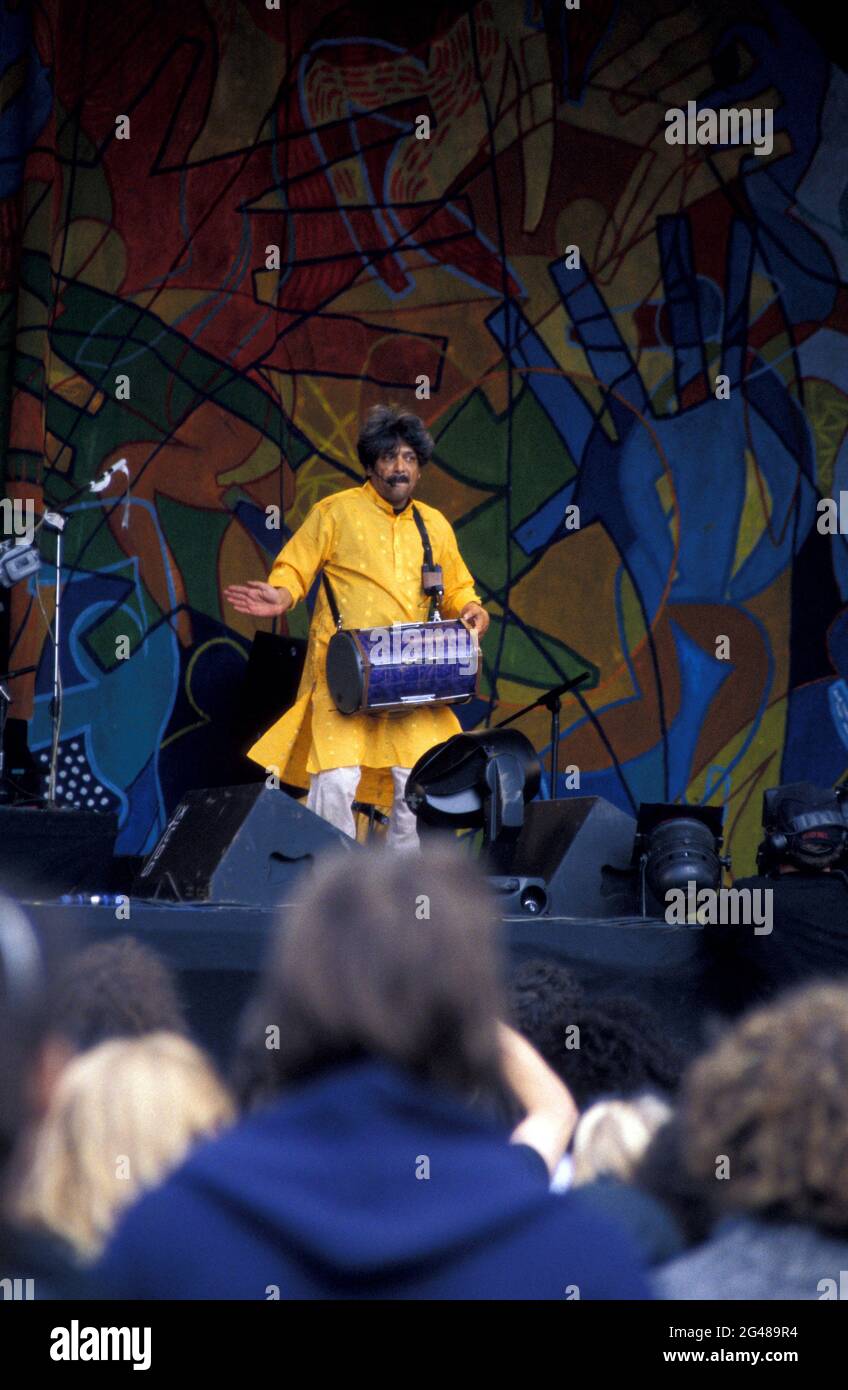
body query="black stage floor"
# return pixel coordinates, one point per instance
(217, 952)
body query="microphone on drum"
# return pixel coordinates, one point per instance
(433, 585)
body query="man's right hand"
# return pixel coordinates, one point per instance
(258, 600)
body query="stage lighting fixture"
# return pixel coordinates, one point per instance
(476, 780)
(516, 895)
(678, 845)
(803, 825)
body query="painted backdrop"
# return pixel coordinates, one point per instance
(153, 152)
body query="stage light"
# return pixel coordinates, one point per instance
(534, 900)
(476, 780)
(678, 845)
(515, 894)
(805, 826)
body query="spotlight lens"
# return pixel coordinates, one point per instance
(533, 901)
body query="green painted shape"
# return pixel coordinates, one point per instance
(541, 467)
(472, 446)
(169, 375)
(101, 639)
(523, 661)
(194, 536)
(482, 536)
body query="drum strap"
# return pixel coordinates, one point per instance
(425, 539)
(331, 599)
(428, 565)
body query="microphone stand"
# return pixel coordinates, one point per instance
(55, 523)
(552, 700)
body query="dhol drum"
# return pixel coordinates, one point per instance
(391, 670)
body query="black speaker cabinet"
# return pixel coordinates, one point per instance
(271, 678)
(45, 853)
(245, 844)
(581, 847)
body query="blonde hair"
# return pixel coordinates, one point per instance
(612, 1136)
(123, 1116)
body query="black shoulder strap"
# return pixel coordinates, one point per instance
(331, 599)
(425, 539)
(431, 575)
(428, 561)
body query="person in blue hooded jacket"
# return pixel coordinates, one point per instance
(374, 1160)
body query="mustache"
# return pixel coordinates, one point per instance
(398, 478)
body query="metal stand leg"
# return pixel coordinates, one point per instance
(56, 700)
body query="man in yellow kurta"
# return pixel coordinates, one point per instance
(367, 543)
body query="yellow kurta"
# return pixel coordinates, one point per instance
(372, 556)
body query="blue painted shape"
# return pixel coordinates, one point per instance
(23, 117)
(837, 699)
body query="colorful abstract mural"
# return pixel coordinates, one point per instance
(428, 173)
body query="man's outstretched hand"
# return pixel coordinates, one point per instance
(257, 599)
(475, 617)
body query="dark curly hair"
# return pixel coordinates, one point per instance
(543, 994)
(387, 426)
(115, 989)
(772, 1098)
(623, 1049)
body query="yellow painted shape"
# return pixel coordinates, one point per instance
(756, 511)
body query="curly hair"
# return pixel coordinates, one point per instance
(772, 1099)
(543, 994)
(385, 427)
(620, 1048)
(115, 989)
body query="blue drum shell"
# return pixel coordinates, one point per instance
(396, 685)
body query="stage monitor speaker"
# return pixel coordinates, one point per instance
(45, 853)
(245, 844)
(22, 778)
(271, 680)
(581, 847)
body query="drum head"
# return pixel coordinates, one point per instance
(345, 675)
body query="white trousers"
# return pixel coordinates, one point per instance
(331, 793)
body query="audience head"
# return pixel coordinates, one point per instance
(385, 956)
(610, 1047)
(662, 1173)
(612, 1137)
(122, 1116)
(115, 989)
(543, 993)
(30, 1055)
(771, 1098)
